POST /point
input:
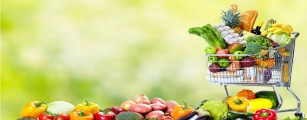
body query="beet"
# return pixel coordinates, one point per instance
(248, 62)
(214, 68)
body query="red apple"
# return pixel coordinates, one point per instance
(233, 47)
(222, 51)
(218, 48)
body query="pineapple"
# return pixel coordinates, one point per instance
(232, 19)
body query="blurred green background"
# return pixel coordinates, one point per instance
(108, 50)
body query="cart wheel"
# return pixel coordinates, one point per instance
(300, 115)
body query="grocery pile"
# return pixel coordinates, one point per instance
(238, 52)
(245, 105)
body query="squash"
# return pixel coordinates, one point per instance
(271, 95)
(248, 94)
(258, 103)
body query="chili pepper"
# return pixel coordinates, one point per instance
(81, 115)
(265, 114)
(33, 109)
(88, 107)
(181, 110)
(239, 104)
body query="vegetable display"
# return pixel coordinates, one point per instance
(265, 114)
(33, 109)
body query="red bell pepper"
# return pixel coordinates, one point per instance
(265, 114)
(104, 115)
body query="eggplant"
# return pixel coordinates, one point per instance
(189, 116)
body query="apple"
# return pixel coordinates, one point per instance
(239, 57)
(222, 51)
(213, 59)
(210, 50)
(233, 47)
(218, 48)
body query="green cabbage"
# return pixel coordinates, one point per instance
(281, 38)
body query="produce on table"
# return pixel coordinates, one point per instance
(210, 50)
(127, 104)
(139, 97)
(196, 116)
(248, 94)
(233, 115)
(33, 109)
(62, 116)
(258, 103)
(60, 107)
(181, 110)
(140, 108)
(157, 100)
(128, 116)
(158, 114)
(210, 34)
(81, 115)
(217, 109)
(45, 116)
(88, 107)
(106, 114)
(170, 105)
(265, 114)
(239, 104)
(271, 95)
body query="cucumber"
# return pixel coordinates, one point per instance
(233, 115)
(271, 95)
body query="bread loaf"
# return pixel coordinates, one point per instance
(248, 19)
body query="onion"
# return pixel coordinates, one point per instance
(140, 97)
(127, 104)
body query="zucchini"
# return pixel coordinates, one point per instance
(233, 115)
(271, 95)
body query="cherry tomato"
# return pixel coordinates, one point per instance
(45, 116)
(62, 117)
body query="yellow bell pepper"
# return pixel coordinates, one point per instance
(239, 104)
(33, 109)
(88, 107)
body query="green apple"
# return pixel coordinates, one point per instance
(235, 47)
(213, 59)
(239, 57)
(210, 50)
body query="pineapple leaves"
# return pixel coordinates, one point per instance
(230, 18)
(210, 34)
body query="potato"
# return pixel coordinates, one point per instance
(158, 114)
(157, 100)
(141, 108)
(170, 105)
(158, 106)
(145, 102)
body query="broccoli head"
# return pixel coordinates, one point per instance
(128, 116)
(252, 48)
(217, 109)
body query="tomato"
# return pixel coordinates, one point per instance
(62, 117)
(45, 116)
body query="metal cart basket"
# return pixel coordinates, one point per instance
(270, 68)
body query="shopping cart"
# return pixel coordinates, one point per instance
(260, 74)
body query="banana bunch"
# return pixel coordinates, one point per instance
(278, 28)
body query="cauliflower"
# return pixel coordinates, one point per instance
(217, 109)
